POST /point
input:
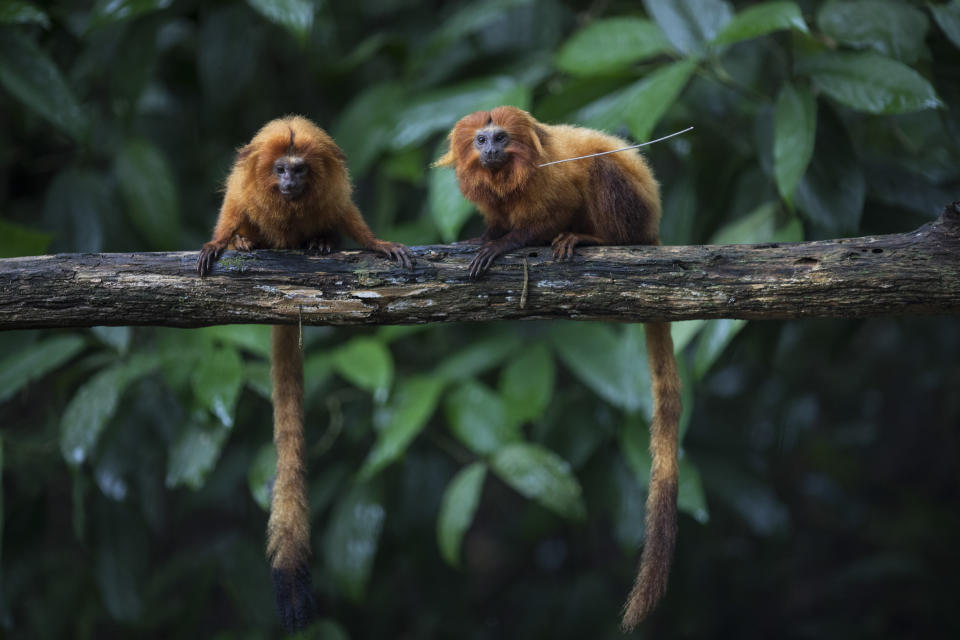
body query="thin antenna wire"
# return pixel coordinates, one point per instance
(603, 153)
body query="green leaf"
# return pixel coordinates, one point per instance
(526, 383)
(766, 223)
(116, 337)
(106, 12)
(316, 370)
(540, 475)
(94, 404)
(640, 105)
(890, 27)
(1, 497)
(761, 19)
(365, 363)
(324, 629)
(689, 24)
(480, 356)
(261, 473)
(253, 338)
(17, 240)
(194, 454)
(406, 416)
(478, 418)
(794, 134)
(17, 12)
(448, 208)
(687, 385)
(405, 165)
(473, 17)
(149, 192)
(610, 44)
(258, 379)
(459, 504)
(635, 445)
(35, 361)
(690, 496)
(28, 73)
(683, 332)
(365, 126)
(712, 341)
(439, 110)
(296, 16)
(227, 66)
(393, 332)
(120, 562)
(476, 21)
(753, 498)
(832, 192)
(217, 381)
(947, 16)
(870, 83)
(626, 506)
(76, 203)
(613, 364)
(352, 538)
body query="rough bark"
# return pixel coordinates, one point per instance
(909, 273)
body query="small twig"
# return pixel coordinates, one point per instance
(526, 282)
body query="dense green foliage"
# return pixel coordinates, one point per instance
(481, 481)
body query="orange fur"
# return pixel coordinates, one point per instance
(257, 215)
(611, 199)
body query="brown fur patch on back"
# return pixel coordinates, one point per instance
(618, 212)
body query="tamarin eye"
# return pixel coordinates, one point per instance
(300, 169)
(279, 169)
(500, 137)
(481, 139)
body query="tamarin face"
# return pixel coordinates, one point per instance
(491, 145)
(292, 174)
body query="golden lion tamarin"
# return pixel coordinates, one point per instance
(289, 189)
(611, 199)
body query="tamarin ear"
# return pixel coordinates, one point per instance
(446, 160)
(244, 151)
(540, 136)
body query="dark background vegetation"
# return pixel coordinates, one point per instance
(481, 481)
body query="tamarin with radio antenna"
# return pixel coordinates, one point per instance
(499, 157)
(289, 189)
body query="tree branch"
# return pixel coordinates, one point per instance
(908, 273)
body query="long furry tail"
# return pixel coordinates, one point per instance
(661, 522)
(288, 530)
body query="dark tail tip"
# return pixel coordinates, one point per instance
(657, 556)
(295, 604)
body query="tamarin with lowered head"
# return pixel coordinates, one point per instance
(289, 189)
(611, 199)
